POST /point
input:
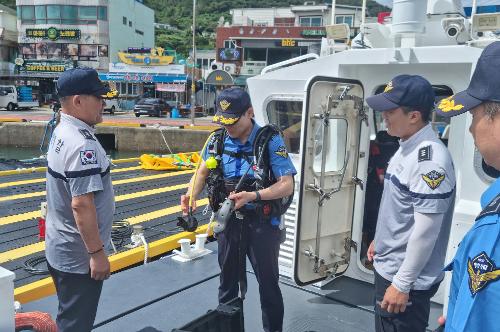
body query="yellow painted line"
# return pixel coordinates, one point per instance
(34, 214)
(150, 192)
(22, 196)
(121, 124)
(45, 287)
(17, 253)
(211, 128)
(19, 217)
(23, 171)
(124, 160)
(12, 120)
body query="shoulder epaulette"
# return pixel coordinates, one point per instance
(425, 153)
(493, 208)
(85, 133)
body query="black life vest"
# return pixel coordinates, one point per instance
(263, 174)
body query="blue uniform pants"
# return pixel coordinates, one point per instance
(78, 296)
(261, 243)
(416, 316)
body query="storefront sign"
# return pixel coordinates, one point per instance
(139, 50)
(119, 67)
(229, 54)
(171, 87)
(53, 33)
(287, 42)
(45, 66)
(145, 59)
(313, 33)
(142, 78)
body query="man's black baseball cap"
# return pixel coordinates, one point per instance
(484, 85)
(404, 90)
(80, 81)
(231, 103)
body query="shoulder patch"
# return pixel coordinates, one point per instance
(433, 179)
(491, 209)
(425, 153)
(282, 152)
(88, 157)
(86, 134)
(481, 270)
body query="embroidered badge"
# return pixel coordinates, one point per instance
(482, 271)
(433, 179)
(388, 87)
(282, 152)
(224, 104)
(425, 153)
(448, 105)
(88, 157)
(86, 134)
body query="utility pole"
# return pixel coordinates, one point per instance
(193, 82)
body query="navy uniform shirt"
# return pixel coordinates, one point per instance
(474, 303)
(234, 167)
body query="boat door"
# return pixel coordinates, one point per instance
(332, 115)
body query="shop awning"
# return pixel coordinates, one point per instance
(143, 78)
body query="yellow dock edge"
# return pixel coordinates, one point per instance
(43, 169)
(12, 120)
(45, 287)
(121, 124)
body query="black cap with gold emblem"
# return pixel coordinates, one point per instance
(231, 104)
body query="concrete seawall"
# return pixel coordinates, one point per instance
(29, 134)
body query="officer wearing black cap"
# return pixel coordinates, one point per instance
(80, 201)
(248, 232)
(475, 286)
(415, 210)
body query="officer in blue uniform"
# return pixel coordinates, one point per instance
(247, 233)
(474, 303)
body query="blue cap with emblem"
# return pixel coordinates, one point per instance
(484, 85)
(80, 81)
(404, 90)
(231, 103)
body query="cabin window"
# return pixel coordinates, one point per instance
(287, 115)
(332, 143)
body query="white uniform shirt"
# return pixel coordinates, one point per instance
(420, 178)
(77, 165)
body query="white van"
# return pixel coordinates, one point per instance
(111, 106)
(9, 100)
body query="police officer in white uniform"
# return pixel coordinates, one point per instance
(80, 201)
(416, 208)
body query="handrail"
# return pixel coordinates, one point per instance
(286, 63)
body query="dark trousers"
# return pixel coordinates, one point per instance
(78, 296)
(416, 316)
(261, 243)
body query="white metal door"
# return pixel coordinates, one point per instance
(331, 124)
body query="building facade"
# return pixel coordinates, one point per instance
(259, 37)
(8, 42)
(55, 35)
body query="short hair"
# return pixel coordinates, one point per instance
(426, 114)
(492, 108)
(64, 99)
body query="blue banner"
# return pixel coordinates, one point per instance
(142, 78)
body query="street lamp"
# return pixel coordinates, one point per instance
(193, 83)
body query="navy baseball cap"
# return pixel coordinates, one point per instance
(231, 103)
(80, 81)
(404, 90)
(484, 85)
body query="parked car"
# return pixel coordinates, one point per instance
(152, 107)
(111, 106)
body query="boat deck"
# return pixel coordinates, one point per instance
(147, 198)
(166, 294)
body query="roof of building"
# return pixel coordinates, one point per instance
(8, 10)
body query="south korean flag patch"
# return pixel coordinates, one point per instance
(88, 157)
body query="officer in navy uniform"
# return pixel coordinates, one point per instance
(246, 232)
(80, 201)
(474, 303)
